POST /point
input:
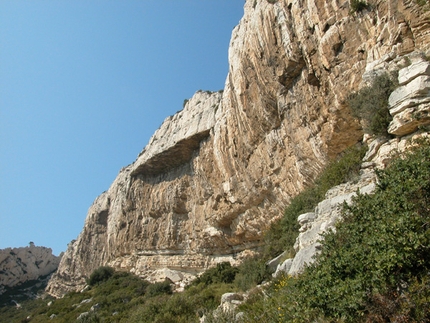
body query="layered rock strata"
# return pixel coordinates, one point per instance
(18, 265)
(215, 175)
(411, 97)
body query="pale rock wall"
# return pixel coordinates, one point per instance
(410, 98)
(18, 265)
(328, 212)
(215, 175)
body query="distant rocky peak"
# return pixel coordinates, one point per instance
(19, 265)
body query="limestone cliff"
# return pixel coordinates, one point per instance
(18, 265)
(215, 174)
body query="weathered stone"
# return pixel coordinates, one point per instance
(18, 265)
(410, 104)
(409, 73)
(82, 315)
(179, 136)
(410, 119)
(229, 297)
(304, 257)
(215, 175)
(306, 217)
(283, 268)
(327, 214)
(406, 96)
(87, 300)
(273, 263)
(374, 147)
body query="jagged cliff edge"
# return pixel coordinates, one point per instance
(215, 174)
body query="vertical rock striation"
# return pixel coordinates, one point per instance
(215, 174)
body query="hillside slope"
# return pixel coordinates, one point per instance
(215, 174)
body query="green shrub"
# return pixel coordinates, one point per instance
(383, 242)
(370, 104)
(283, 233)
(358, 5)
(422, 2)
(375, 268)
(160, 288)
(251, 272)
(99, 275)
(221, 273)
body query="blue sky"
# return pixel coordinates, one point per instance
(83, 86)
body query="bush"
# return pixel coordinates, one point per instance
(370, 104)
(380, 247)
(99, 275)
(422, 2)
(160, 288)
(375, 268)
(251, 272)
(222, 273)
(358, 5)
(283, 233)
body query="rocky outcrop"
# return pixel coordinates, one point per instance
(19, 265)
(328, 212)
(215, 174)
(412, 96)
(410, 102)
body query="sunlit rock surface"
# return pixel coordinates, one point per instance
(18, 265)
(215, 174)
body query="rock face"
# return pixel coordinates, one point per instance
(410, 103)
(18, 265)
(215, 175)
(413, 96)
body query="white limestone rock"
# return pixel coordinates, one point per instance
(179, 135)
(406, 96)
(274, 263)
(410, 119)
(325, 217)
(284, 267)
(18, 265)
(410, 103)
(409, 73)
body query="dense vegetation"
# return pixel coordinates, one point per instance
(376, 267)
(284, 232)
(122, 297)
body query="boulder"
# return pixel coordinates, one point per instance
(415, 92)
(419, 68)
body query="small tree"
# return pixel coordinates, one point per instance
(358, 5)
(99, 275)
(370, 104)
(159, 288)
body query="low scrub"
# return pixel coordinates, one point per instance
(370, 104)
(99, 275)
(375, 268)
(282, 234)
(358, 5)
